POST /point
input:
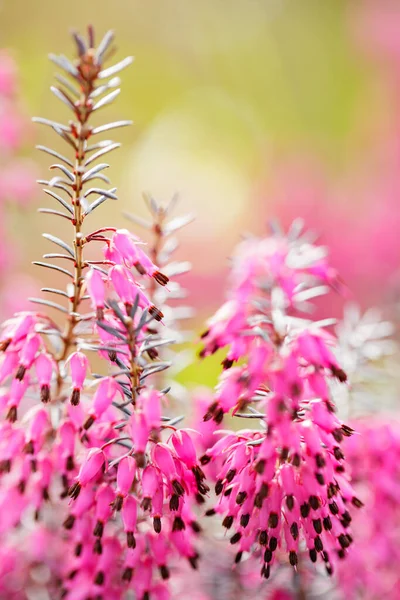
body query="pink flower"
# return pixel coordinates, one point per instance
(79, 365)
(96, 289)
(90, 468)
(44, 366)
(102, 399)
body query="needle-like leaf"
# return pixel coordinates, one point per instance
(59, 242)
(60, 200)
(116, 68)
(56, 154)
(109, 126)
(49, 303)
(54, 267)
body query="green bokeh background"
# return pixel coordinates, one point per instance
(236, 81)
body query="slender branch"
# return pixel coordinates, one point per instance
(81, 132)
(157, 229)
(134, 368)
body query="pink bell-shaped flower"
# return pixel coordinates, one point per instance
(79, 365)
(97, 291)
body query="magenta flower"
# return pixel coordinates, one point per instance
(287, 481)
(92, 458)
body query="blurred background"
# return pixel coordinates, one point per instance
(251, 109)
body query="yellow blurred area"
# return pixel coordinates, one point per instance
(218, 91)
(217, 87)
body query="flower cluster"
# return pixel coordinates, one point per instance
(88, 458)
(374, 459)
(286, 482)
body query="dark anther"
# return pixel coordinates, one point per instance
(45, 394)
(290, 502)
(227, 363)
(154, 312)
(268, 555)
(130, 539)
(296, 460)
(20, 374)
(196, 527)
(338, 454)
(327, 523)
(174, 502)
(118, 502)
(294, 530)
(343, 541)
(88, 423)
(160, 278)
(305, 510)
(12, 414)
(230, 475)
(238, 557)
(261, 495)
(69, 522)
(99, 579)
(338, 435)
(347, 431)
(273, 520)
(178, 487)
(273, 544)
(333, 507)
(263, 538)
(146, 504)
(244, 520)
(75, 397)
(346, 519)
(235, 538)
(241, 497)
(193, 560)
(260, 466)
(356, 502)
(219, 486)
(317, 525)
(218, 417)
(74, 490)
(293, 558)
(178, 524)
(314, 502)
(29, 448)
(338, 373)
(157, 524)
(164, 572)
(127, 574)
(266, 571)
(318, 545)
(98, 530)
(313, 555)
(332, 490)
(284, 454)
(319, 461)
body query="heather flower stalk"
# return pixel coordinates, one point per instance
(161, 230)
(90, 458)
(283, 487)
